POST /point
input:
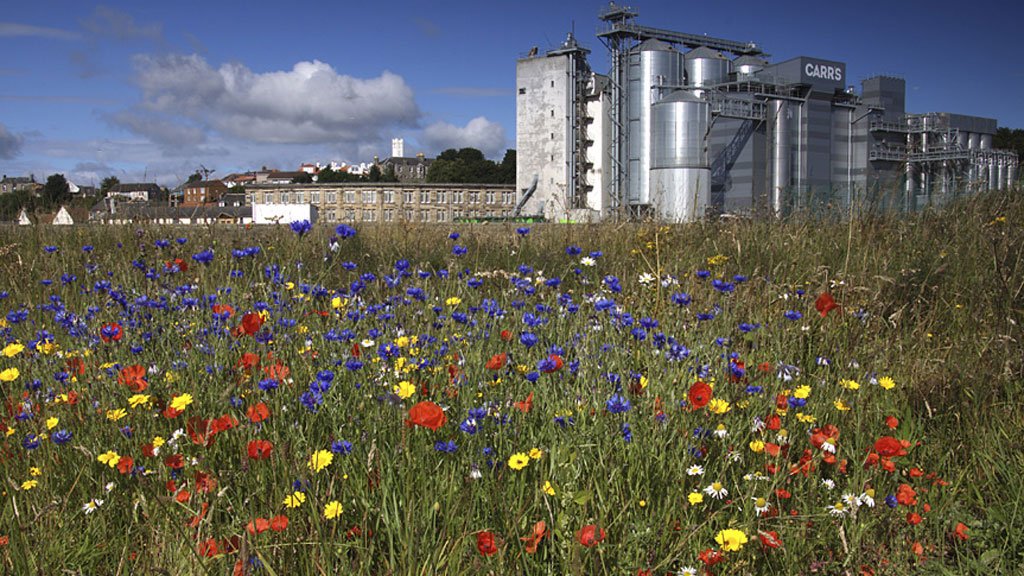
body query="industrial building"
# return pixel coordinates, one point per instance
(685, 125)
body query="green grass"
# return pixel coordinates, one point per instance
(934, 300)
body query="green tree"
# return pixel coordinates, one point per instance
(375, 174)
(304, 178)
(466, 165)
(195, 177)
(1010, 139)
(108, 184)
(56, 191)
(507, 168)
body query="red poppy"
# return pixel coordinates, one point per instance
(279, 523)
(773, 422)
(76, 366)
(251, 323)
(224, 423)
(257, 526)
(204, 482)
(961, 531)
(556, 364)
(111, 332)
(223, 309)
(825, 304)
(200, 431)
(208, 548)
(485, 543)
(711, 557)
(356, 350)
(540, 530)
(892, 422)
(887, 447)
(699, 395)
(175, 461)
(134, 377)
(497, 362)
(124, 464)
(248, 361)
(148, 450)
(183, 496)
(769, 539)
(426, 414)
(260, 449)
(590, 535)
(506, 335)
(178, 263)
(277, 370)
(906, 495)
(258, 412)
(525, 405)
(194, 522)
(914, 518)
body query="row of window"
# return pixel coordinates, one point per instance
(505, 197)
(406, 215)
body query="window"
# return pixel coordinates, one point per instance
(441, 215)
(332, 197)
(330, 215)
(407, 214)
(490, 197)
(350, 196)
(407, 196)
(369, 196)
(350, 215)
(388, 214)
(457, 197)
(552, 83)
(522, 90)
(506, 197)
(314, 197)
(442, 197)
(300, 197)
(424, 215)
(424, 196)
(389, 196)
(552, 112)
(369, 215)
(474, 197)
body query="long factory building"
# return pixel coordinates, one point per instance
(687, 125)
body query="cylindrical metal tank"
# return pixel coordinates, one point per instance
(962, 139)
(778, 110)
(993, 173)
(985, 141)
(1011, 174)
(706, 67)
(748, 65)
(1001, 174)
(973, 140)
(652, 63)
(680, 178)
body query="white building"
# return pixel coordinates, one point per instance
(562, 135)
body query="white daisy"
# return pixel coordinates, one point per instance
(828, 483)
(695, 470)
(687, 571)
(760, 505)
(837, 509)
(92, 505)
(716, 490)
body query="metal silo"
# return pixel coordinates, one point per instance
(1011, 173)
(706, 67)
(652, 63)
(680, 178)
(985, 141)
(778, 110)
(1001, 173)
(748, 65)
(993, 173)
(973, 141)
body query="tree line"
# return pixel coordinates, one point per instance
(469, 166)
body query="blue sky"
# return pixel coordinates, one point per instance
(154, 90)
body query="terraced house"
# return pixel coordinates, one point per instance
(392, 201)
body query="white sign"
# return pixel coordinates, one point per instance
(824, 71)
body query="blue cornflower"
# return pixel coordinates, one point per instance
(458, 250)
(449, 447)
(703, 274)
(528, 339)
(345, 231)
(573, 250)
(301, 227)
(618, 404)
(627, 433)
(793, 315)
(342, 447)
(723, 286)
(522, 230)
(681, 299)
(30, 442)
(891, 501)
(469, 426)
(50, 249)
(268, 384)
(61, 437)
(204, 257)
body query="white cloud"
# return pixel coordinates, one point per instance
(479, 133)
(10, 143)
(112, 23)
(13, 29)
(160, 131)
(311, 103)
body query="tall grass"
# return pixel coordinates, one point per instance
(934, 300)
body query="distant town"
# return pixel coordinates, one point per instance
(456, 185)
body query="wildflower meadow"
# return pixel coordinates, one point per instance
(813, 396)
